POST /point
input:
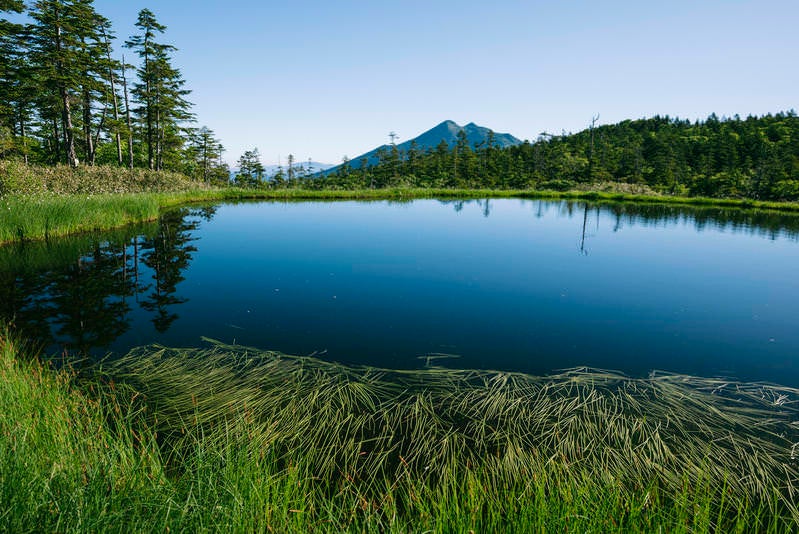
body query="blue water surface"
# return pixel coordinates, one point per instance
(523, 285)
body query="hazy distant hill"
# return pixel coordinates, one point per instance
(271, 170)
(446, 131)
(300, 167)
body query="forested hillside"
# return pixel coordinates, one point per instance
(756, 157)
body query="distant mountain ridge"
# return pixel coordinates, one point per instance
(446, 131)
(314, 167)
(300, 167)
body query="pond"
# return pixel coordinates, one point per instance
(520, 285)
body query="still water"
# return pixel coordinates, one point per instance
(524, 285)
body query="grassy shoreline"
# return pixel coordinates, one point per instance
(39, 203)
(234, 439)
(45, 216)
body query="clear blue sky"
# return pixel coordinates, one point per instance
(327, 78)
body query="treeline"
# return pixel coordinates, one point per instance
(756, 157)
(66, 97)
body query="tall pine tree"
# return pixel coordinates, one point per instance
(59, 35)
(160, 92)
(13, 99)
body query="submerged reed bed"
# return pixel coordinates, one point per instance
(234, 439)
(397, 435)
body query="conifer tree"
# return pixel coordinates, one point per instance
(13, 101)
(57, 41)
(290, 172)
(159, 92)
(112, 66)
(251, 170)
(204, 153)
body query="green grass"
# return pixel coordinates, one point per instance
(233, 439)
(44, 217)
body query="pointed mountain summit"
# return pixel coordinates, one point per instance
(447, 131)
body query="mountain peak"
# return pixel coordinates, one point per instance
(446, 131)
(443, 129)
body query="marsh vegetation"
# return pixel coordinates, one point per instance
(218, 436)
(245, 440)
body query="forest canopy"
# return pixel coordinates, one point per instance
(756, 157)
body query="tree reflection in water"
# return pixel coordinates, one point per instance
(76, 294)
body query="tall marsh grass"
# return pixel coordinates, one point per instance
(49, 216)
(235, 439)
(39, 202)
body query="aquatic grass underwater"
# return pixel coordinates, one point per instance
(235, 439)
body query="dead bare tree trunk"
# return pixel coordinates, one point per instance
(66, 113)
(100, 126)
(158, 132)
(127, 113)
(66, 119)
(87, 125)
(115, 103)
(24, 137)
(56, 140)
(591, 149)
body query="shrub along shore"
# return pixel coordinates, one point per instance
(235, 439)
(46, 202)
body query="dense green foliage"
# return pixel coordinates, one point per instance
(234, 440)
(65, 98)
(756, 157)
(18, 179)
(251, 170)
